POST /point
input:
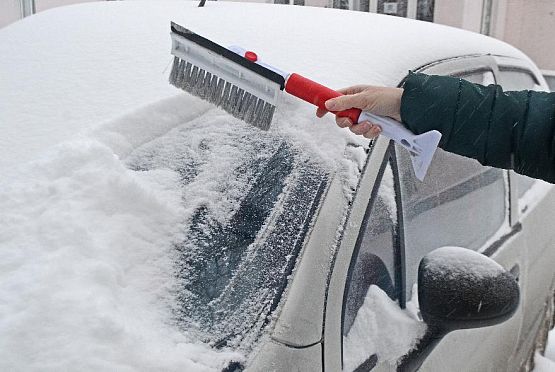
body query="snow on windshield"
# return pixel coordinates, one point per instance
(85, 266)
(101, 261)
(248, 198)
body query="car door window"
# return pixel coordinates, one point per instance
(523, 184)
(516, 79)
(550, 80)
(459, 203)
(483, 77)
(376, 259)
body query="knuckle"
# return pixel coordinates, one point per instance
(343, 122)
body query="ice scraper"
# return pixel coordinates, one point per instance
(236, 80)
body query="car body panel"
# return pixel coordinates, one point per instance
(276, 357)
(541, 255)
(301, 315)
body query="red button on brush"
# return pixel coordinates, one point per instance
(251, 56)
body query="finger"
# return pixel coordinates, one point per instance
(361, 128)
(346, 102)
(374, 131)
(353, 90)
(343, 122)
(321, 112)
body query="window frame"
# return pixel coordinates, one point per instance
(518, 209)
(459, 67)
(520, 69)
(514, 178)
(398, 248)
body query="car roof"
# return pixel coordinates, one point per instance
(72, 68)
(333, 46)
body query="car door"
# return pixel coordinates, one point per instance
(462, 203)
(404, 219)
(532, 206)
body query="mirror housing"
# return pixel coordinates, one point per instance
(459, 289)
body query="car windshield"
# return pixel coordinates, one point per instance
(250, 198)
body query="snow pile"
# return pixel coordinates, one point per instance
(543, 363)
(196, 121)
(546, 362)
(214, 154)
(466, 262)
(71, 68)
(390, 340)
(337, 149)
(86, 267)
(128, 132)
(387, 193)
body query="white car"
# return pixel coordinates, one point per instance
(174, 237)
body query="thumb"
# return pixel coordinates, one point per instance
(345, 102)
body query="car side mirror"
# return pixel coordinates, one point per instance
(460, 289)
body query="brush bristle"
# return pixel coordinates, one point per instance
(236, 101)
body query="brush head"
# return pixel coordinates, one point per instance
(207, 70)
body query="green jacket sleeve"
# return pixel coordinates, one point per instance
(511, 130)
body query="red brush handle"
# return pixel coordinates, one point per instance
(317, 94)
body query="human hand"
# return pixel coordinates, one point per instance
(382, 101)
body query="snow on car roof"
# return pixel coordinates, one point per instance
(336, 47)
(71, 68)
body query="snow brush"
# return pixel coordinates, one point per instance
(235, 80)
